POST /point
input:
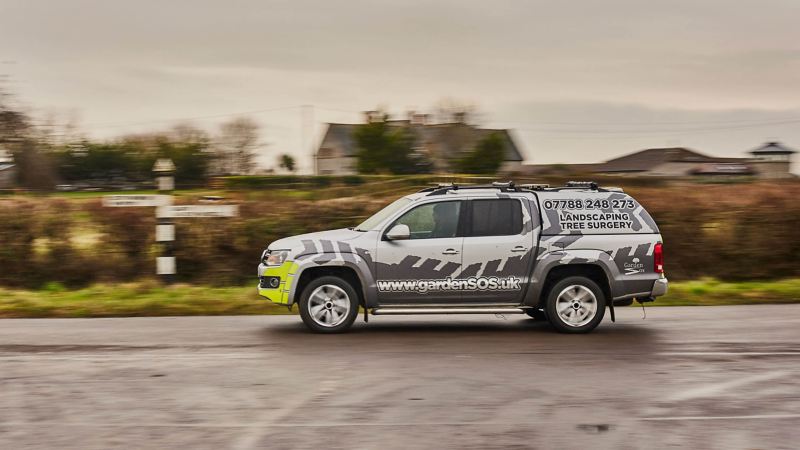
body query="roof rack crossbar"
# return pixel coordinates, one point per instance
(535, 186)
(507, 186)
(510, 186)
(582, 184)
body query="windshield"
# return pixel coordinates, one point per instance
(382, 215)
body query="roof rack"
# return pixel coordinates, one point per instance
(506, 186)
(439, 186)
(582, 184)
(509, 186)
(535, 186)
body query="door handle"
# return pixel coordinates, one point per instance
(519, 248)
(450, 251)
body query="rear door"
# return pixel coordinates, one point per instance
(498, 250)
(417, 270)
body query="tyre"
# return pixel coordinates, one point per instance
(536, 314)
(329, 305)
(575, 305)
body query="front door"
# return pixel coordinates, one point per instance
(419, 270)
(498, 246)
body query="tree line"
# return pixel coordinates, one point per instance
(45, 159)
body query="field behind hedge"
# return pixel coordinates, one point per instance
(732, 232)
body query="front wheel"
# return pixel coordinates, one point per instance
(328, 305)
(575, 305)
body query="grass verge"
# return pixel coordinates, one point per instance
(148, 298)
(133, 300)
(709, 292)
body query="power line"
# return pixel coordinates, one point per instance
(186, 119)
(536, 127)
(660, 131)
(653, 123)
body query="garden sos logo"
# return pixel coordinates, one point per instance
(633, 267)
(449, 284)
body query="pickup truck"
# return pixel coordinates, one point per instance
(560, 254)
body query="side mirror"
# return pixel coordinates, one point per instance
(398, 233)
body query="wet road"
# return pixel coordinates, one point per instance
(701, 377)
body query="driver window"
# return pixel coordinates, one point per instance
(432, 220)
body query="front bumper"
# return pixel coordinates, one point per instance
(279, 292)
(660, 287)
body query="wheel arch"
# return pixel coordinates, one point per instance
(346, 272)
(558, 270)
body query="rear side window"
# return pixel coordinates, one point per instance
(496, 217)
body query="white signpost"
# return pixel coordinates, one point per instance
(197, 211)
(165, 212)
(127, 201)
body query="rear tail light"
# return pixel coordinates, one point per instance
(658, 258)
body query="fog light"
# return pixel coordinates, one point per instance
(270, 282)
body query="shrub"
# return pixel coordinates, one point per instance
(729, 232)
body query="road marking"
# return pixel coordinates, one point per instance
(717, 388)
(730, 353)
(269, 418)
(750, 417)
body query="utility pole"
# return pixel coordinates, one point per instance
(307, 127)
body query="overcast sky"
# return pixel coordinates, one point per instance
(579, 81)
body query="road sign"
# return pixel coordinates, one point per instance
(123, 201)
(197, 211)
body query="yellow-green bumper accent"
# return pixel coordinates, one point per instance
(286, 272)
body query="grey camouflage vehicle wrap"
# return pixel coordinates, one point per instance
(609, 230)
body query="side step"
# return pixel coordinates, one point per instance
(422, 310)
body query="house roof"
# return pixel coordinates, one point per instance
(343, 133)
(450, 138)
(645, 160)
(772, 148)
(551, 169)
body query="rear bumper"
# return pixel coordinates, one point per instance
(660, 287)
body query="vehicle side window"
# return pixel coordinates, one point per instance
(432, 220)
(496, 217)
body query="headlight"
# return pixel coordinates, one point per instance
(274, 257)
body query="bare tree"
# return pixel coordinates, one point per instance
(236, 146)
(35, 169)
(451, 110)
(188, 133)
(13, 124)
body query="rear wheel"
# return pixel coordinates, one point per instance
(575, 305)
(328, 305)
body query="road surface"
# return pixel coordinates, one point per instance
(697, 377)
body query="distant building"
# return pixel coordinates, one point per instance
(442, 143)
(772, 160)
(671, 162)
(8, 170)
